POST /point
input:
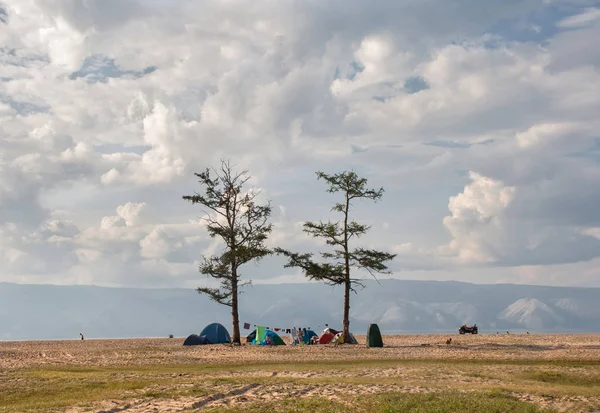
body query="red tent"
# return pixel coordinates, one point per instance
(328, 335)
(326, 338)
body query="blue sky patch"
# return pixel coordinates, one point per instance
(99, 68)
(353, 69)
(19, 57)
(24, 108)
(537, 26)
(415, 84)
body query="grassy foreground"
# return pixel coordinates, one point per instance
(449, 402)
(484, 373)
(325, 386)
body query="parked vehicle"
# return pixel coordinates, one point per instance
(464, 329)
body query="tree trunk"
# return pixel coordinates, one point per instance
(234, 313)
(346, 332)
(235, 318)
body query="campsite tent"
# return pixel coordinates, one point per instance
(374, 336)
(251, 336)
(278, 341)
(326, 338)
(216, 333)
(308, 334)
(261, 334)
(327, 335)
(351, 338)
(195, 340)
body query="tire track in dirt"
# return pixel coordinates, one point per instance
(252, 393)
(239, 396)
(222, 396)
(269, 393)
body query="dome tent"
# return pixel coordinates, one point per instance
(251, 336)
(327, 335)
(261, 336)
(339, 338)
(275, 339)
(351, 338)
(308, 334)
(216, 334)
(195, 340)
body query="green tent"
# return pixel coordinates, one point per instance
(260, 334)
(374, 336)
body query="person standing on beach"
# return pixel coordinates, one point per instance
(300, 335)
(295, 335)
(81, 336)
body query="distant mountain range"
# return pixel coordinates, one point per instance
(37, 312)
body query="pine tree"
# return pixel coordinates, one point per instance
(335, 270)
(243, 225)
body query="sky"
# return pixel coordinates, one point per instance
(479, 119)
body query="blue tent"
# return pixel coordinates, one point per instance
(195, 340)
(216, 333)
(307, 336)
(274, 338)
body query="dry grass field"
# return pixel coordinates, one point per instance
(413, 373)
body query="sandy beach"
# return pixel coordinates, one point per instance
(178, 378)
(111, 352)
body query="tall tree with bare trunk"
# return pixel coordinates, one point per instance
(336, 268)
(231, 214)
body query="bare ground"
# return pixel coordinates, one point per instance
(18, 354)
(556, 371)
